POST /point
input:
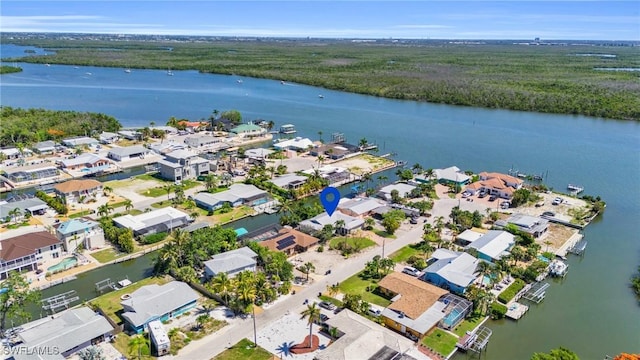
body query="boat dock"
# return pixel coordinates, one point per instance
(570, 244)
(575, 189)
(516, 310)
(475, 341)
(579, 248)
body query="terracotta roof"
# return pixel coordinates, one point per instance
(23, 245)
(192, 123)
(503, 177)
(417, 296)
(300, 238)
(77, 185)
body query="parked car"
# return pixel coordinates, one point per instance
(492, 198)
(374, 312)
(411, 271)
(549, 213)
(323, 318)
(327, 305)
(557, 201)
(482, 194)
(413, 220)
(505, 205)
(466, 194)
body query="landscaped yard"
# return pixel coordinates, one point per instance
(110, 302)
(383, 234)
(440, 341)
(235, 214)
(357, 286)
(244, 350)
(468, 324)
(106, 255)
(403, 254)
(354, 243)
(160, 190)
(122, 345)
(80, 214)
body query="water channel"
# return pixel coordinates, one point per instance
(592, 311)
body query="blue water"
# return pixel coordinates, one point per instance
(592, 310)
(542, 258)
(451, 318)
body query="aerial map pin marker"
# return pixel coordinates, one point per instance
(330, 197)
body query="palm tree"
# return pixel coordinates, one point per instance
(320, 160)
(104, 210)
(547, 243)
(320, 135)
(307, 268)
(201, 320)
(14, 214)
(246, 293)
(517, 254)
(270, 125)
(136, 344)
(222, 284)
(417, 168)
(128, 205)
(210, 182)
(340, 226)
(333, 289)
(363, 143)
(382, 178)
(483, 269)
(312, 314)
(369, 222)
(168, 188)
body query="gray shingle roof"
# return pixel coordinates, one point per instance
(231, 260)
(128, 150)
(459, 271)
(152, 301)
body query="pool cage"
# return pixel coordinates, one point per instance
(456, 310)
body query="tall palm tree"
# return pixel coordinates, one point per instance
(104, 210)
(307, 268)
(333, 289)
(547, 243)
(340, 224)
(483, 269)
(14, 214)
(211, 182)
(312, 314)
(222, 284)
(128, 205)
(320, 135)
(246, 293)
(107, 190)
(168, 188)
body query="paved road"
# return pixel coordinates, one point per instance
(214, 344)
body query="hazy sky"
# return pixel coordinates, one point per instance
(580, 20)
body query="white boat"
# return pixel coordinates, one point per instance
(239, 81)
(169, 72)
(288, 129)
(558, 268)
(128, 71)
(321, 96)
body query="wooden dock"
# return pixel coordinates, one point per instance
(516, 310)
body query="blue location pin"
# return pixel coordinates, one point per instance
(330, 197)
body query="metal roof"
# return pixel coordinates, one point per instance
(152, 301)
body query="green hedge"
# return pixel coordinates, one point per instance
(511, 291)
(154, 238)
(498, 310)
(52, 202)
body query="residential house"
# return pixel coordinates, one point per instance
(78, 191)
(130, 135)
(160, 220)
(193, 126)
(289, 181)
(236, 195)
(316, 223)
(468, 236)
(86, 162)
(361, 339)
(403, 190)
(451, 176)
(333, 151)
(80, 231)
(248, 131)
(533, 225)
(37, 172)
(61, 335)
(167, 129)
(157, 302)
(260, 154)
(12, 153)
(452, 271)
(108, 137)
(45, 147)
(231, 262)
(24, 252)
(205, 142)
(182, 165)
(359, 207)
(415, 308)
(128, 153)
(493, 245)
(290, 241)
(80, 142)
(498, 184)
(33, 206)
(333, 174)
(297, 144)
(167, 147)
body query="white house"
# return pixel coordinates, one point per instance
(128, 153)
(231, 262)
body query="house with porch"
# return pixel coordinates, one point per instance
(24, 252)
(297, 144)
(108, 137)
(501, 185)
(44, 147)
(152, 222)
(80, 231)
(316, 223)
(33, 206)
(452, 271)
(403, 190)
(289, 181)
(78, 191)
(451, 176)
(182, 165)
(80, 141)
(231, 262)
(86, 162)
(157, 302)
(533, 225)
(236, 195)
(248, 131)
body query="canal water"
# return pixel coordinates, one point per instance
(592, 311)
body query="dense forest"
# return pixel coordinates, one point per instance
(28, 126)
(553, 79)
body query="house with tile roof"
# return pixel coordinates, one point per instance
(231, 262)
(78, 191)
(157, 302)
(290, 241)
(452, 271)
(501, 185)
(23, 252)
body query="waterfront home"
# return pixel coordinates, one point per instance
(44, 147)
(130, 135)
(297, 144)
(361, 338)
(157, 302)
(24, 252)
(80, 231)
(128, 153)
(33, 206)
(289, 181)
(333, 174)
(193, 126)
(167, 129)
(61, 335)
(493, 245)
(359, 207)
(35, 173)
(156, 221)
(403, 190)
(408, 212)
(416, 307)
(166, 147)
(452, 271)
(289, 241)
(182, 165)
(160, 342)
(316, 223)
(108, 137)
(468, 236)
(334, 151)
(78, 191)
(86, 162)
(248, 131)
(236, 195)
(80, 141)
(14, 153)
(533, 225)
(231, 262)
(205, 142)
(260, 154)
(448, 176)
(501, 185)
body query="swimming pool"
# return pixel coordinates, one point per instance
(63, 265)
(452, 318)
(542, 258)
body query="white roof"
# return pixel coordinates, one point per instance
(422, 323)
(494, 243)
(319, 221)
(129, 150)
(148, 219)
(452, 173)
(231, 260)
(235, 193)
(469, 236)
(152, 301)
(459, 270)
(403, 189)
(157, 332)
(284, 180)
(13, 151)
(80, 141)
(297, 143)
(181, 154)
(258, 153)
(86, 158)
(360, 206)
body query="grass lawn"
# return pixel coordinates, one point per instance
(358, 286)
(403, 254)
(110, 302)
(79, 214)
(468, 324)
(234, 214)
(154, 192)
(106, 255)
(122, 344)
(440, 341)
(244, 350)
(334, 301)
(355, 242)
(161, 204)
(383, 234)
(129, 212)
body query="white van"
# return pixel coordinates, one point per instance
(411, 271)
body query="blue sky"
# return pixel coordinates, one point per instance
(550, 20)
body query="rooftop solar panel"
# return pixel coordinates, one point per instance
(286, 242)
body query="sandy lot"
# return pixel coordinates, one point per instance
(364, 163)
(286, 332)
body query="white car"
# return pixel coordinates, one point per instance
(411, 271)
(557, 201)
(466, 194)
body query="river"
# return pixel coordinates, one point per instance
(592, 311)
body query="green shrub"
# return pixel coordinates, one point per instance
(511, 291)
(154, 238)
(498, 310)
(320, 248)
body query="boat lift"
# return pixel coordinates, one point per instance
(579, 248)
(62, 300)
(536, 292)
(476, 341)
(104, 284)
